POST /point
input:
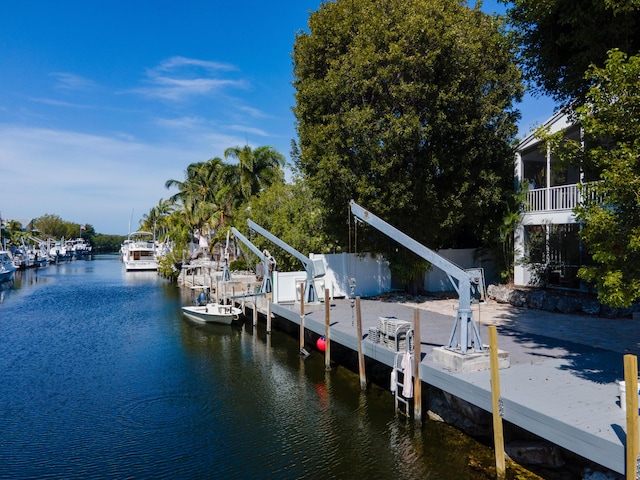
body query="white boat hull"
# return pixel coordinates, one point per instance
(6, 275)
(212, 313)
(140, 265)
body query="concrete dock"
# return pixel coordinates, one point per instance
(562, 381)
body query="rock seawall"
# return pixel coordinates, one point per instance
(558, 301)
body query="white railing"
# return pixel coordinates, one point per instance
(564, 197)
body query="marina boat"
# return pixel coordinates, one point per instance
(139, 252)
(39, 253)
(205, 311)
(6, 266)
(58, 251)
(79, 248)
(21, 257)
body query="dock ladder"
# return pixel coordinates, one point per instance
(403, 345)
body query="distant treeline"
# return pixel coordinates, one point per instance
(103, 243)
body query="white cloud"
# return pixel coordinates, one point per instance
(179, 78)
(59, 103)
(173, 63)
(71, 81)
(253, 112)
(85, 178)
(245, 129)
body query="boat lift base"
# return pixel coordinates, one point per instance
(468, 362)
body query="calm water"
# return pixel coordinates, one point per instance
(102, 377)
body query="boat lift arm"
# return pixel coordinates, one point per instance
(464, 317)
(314, 268)
(267, 260)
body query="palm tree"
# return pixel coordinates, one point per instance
(156, 219)
(197, 193)
(257, 169)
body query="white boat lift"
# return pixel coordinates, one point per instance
(313, 268)
(468, 335)
(268, 262)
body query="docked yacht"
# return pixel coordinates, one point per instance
(139, 252)
(79, 248)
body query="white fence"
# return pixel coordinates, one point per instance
(372, 275)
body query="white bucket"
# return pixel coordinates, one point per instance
(622, 392)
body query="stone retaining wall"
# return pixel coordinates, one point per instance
(558, 301)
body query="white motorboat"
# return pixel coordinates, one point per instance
(205, 311)
(58, 251)
(212, 313)
(79, 248)
(21, 258)
(139, 252)
(6, 266)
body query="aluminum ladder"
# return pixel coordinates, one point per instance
(402, 404)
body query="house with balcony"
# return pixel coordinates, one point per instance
(548, 251)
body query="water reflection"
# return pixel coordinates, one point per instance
(103, 377)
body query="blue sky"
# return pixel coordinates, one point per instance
(102, 102)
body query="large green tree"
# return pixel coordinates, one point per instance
(50, 225)
(559, 39)
(288, 211)
(407, 107)
(611, 210)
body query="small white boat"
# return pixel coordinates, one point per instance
(6, 266)
(212, 313)
(205, 311)
(57, 250)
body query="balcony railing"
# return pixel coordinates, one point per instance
(564, 197)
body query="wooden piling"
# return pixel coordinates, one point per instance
(363, 374)
(255, 311)
(268, 297)
(417, 358)
(498, 435)
(631, 403)
(327, 322)
(302, 317)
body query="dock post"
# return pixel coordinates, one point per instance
(302, 350)
(327, 322)
(417, 358)
(631, 401)
(498, 435)
(255, 311)
(268, 297)
(363, 374)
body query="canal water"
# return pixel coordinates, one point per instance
(102, 377)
